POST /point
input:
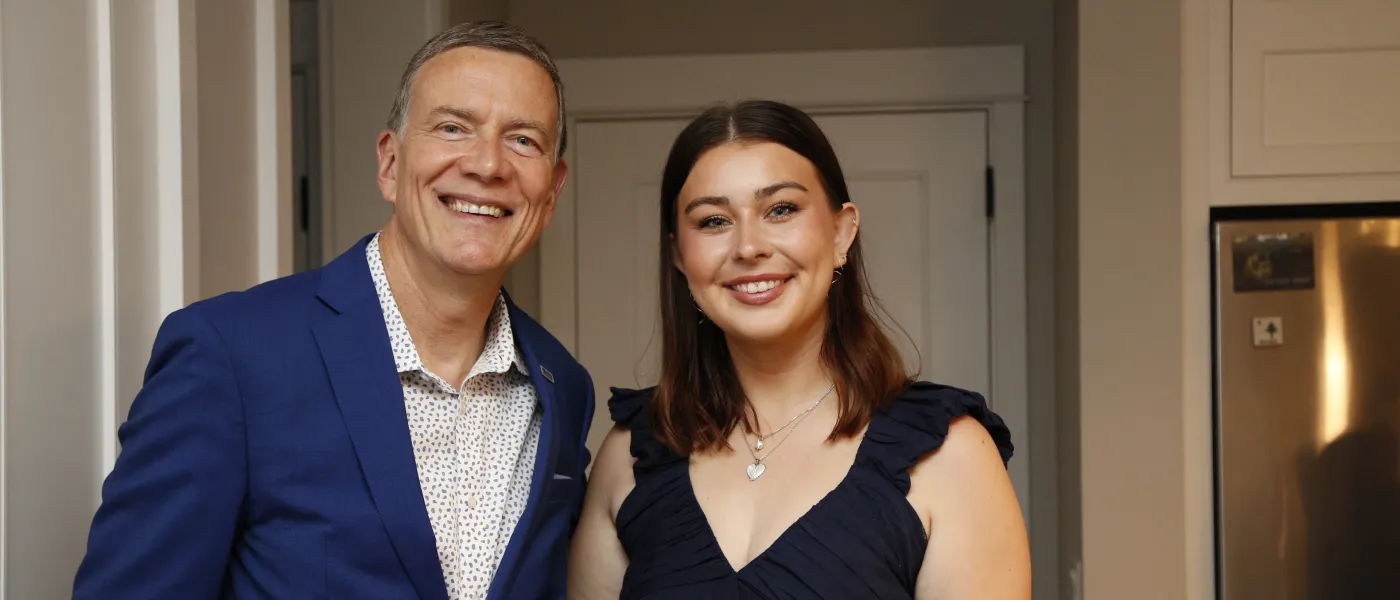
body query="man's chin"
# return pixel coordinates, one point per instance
(476, 263)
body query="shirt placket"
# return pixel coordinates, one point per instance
(471, 425)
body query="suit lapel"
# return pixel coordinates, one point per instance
(354, 343)
(545, 456)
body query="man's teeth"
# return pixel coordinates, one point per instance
(462, 206)
(756, 286)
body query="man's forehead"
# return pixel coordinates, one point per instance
(463, 74)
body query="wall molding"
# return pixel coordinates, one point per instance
(272, 82)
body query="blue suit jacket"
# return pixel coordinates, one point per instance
(268, 456)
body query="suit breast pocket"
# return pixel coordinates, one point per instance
(562, 489)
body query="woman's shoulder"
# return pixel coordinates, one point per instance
(630, 409)
(921, 419)
(929, 409)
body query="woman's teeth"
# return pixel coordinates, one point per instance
(756, 286)
(463, 206)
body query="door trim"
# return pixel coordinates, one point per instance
(866, 81)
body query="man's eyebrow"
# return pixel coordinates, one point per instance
(529, 124)
(460, 113)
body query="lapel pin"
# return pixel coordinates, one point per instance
(547, 375)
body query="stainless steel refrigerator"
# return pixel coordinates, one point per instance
(1307, 402)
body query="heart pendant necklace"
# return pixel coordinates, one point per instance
(757, 468)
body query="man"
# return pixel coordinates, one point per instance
(390, 425)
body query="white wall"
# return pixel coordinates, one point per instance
(101, 220)
(227, 232)
(50, 269)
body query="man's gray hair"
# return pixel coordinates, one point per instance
(493, 35)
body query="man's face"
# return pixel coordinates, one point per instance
(473, 176)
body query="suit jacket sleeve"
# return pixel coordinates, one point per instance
(171, 506)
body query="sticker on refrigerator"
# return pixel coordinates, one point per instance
(1274, 262)
(1268, 332)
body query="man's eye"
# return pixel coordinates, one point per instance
(525, 141)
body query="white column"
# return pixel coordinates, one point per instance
(52, 274)
(106, 198)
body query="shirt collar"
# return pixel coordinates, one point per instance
(498, 355)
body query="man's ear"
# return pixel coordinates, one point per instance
(387, 175)
(561, 172)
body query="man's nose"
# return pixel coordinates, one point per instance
(484, 160)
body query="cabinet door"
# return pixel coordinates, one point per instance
(1315, 87)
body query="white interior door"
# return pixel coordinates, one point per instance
(919, 181)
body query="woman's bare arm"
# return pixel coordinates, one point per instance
(597, 562)
(977, 548)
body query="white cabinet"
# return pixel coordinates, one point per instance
(1314, 87)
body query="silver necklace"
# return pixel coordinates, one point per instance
(756, 470)
(764, 437)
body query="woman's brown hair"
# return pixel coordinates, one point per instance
(699, 401)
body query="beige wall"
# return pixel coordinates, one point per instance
(228, 152)
(459, 11)
(1130, 287)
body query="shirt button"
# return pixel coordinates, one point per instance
(471, 503)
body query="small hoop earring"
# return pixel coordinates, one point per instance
(699, 310)
(837, 276)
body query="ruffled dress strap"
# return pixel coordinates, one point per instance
(632, 409)
(917, 422)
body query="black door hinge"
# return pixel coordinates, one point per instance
(991, 193)
(305, 201)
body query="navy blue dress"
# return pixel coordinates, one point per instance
(863, 540)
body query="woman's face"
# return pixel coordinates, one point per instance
(758, 241)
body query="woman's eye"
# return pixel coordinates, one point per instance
(712, 222)
(782, 210)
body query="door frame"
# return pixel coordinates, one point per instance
(989, 78)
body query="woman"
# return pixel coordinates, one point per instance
(786, 453)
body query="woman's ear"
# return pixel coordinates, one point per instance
(847, 226)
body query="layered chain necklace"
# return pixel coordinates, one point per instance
(756, 469)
